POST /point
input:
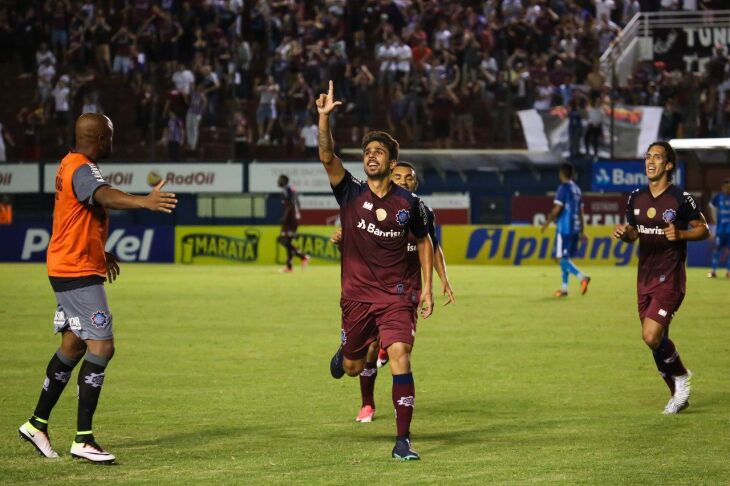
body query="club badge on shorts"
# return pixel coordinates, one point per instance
(99, 319)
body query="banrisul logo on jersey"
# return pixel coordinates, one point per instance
(242, 248)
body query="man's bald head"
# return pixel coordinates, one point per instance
(94, 133)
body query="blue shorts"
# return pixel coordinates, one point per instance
(722, 241)
(566, 246)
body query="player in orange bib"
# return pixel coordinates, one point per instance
(77, 269)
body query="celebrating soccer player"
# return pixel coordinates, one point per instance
(720, 210)
(77, 268)
(663, 219)
(404, 174)
(568, 213)
(290, 223)
(377, 295)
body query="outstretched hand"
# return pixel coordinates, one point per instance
(163, 202)
(326, 102)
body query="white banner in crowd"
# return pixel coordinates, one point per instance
(141, 178)
(635, 128)
(306, 177)
(18, 178)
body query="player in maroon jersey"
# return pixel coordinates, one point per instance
(377, 296)
(663, 219)
(290, 223)
(404, 174)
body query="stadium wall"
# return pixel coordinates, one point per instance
(257, 244)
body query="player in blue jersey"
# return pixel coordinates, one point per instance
(720, 209)
(567, 213)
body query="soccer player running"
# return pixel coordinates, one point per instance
(404, 174)
(377, 295)
(290, 223)
(77, 268)
(720, 210)
(567, 212)
(663, 219)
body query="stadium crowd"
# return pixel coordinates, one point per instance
(437, 73)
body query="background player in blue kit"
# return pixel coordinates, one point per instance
(720, 210)
(567, 213)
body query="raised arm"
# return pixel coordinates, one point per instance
(326, 104)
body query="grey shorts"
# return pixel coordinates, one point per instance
(85, 312)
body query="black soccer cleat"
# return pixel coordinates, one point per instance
(336, 368)
(403, 452)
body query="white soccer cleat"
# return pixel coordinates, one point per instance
(39, 439)
(682, 391)
(91, 451)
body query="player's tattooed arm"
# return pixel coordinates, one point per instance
(625, 232)
(326, 104)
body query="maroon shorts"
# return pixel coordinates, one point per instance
(289, 229)
(660, 306)
(363, 322)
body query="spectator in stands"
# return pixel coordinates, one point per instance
(387, 55)
(442, 104)
(183, 79)
(91, 105)
(6, 39)
(27, 35)
(196, 107)
(170, 31)
(266, 113)
(397, 113)
(594, 125)
(243, 135)
(575, 126)
(470, 101)
(46, 73)
(241, 66)
(62, 106)
(5, 137)
(144, 112)
(310, 138)
(363, 102)
(123, 42)
(403, 57)
(543, 94)
(101, 34)
(44, 54)
(60, 14)
(32, 120)
(299, 97)
(173, 136)
(670, 126)
(212, 90)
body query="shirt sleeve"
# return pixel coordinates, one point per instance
(347, 190)
(432, 227)
(715, 201)
(630, 216)
(86, 180)
(562, 195)
(418, 223)
(688, 210)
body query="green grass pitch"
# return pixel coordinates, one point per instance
(222, 377)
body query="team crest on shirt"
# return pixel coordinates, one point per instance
(99, 319)
(669, 216)
(402, 217)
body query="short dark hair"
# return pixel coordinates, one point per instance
(566, 169)
(669, 150)
(406, 164)
(377, 136)
(284, 178)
